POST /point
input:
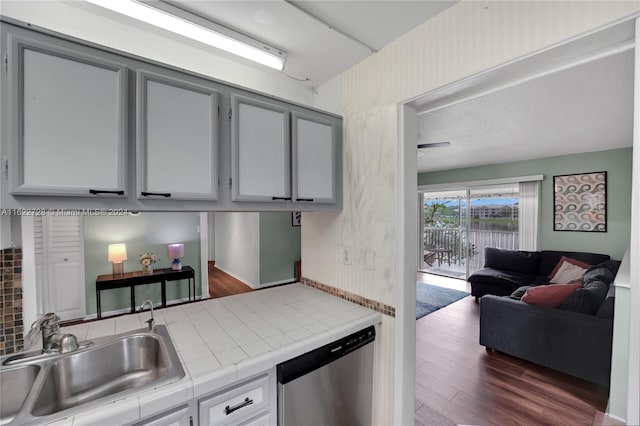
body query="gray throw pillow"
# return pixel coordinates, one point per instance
(588, 298)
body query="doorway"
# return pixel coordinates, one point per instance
(59, 265)
(412, 111)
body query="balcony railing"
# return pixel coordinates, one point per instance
(469, 248)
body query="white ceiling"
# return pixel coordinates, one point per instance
(316, 52)
(583, 108)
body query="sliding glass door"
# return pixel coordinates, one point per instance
(457, 226)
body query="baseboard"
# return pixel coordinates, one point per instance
(616, 420)
(273, 283)
(238, 277)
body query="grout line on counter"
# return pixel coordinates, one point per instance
(351, 297)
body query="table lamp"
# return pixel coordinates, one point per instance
(176, 252)
(117, 255)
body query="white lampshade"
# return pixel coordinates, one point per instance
(175, 251)
(117, 253)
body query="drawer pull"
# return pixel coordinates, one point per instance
(281, 198)
(305, 199)
(100, 191)
(228, 410)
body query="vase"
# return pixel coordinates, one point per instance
(147, 269)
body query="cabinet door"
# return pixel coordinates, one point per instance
(314, 151)
(68, 119)
(260, 151)
(177, 150)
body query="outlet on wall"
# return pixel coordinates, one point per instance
(370, 260)
(344, 255)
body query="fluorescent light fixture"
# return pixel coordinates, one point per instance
(149, 13)
(434, 145)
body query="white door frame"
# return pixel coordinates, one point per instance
(204, 255)
(633, 386)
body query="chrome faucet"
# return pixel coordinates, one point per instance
(52, 340)
(150, 321)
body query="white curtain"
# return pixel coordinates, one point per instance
(529, 215)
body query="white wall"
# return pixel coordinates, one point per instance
(5, 232)
(95, 24)
(463, 40)
(237, 237)
(211, 236)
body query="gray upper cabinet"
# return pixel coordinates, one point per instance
(177, 137)
(284, 154)
(260, 151)
(67, 119)
(87, 127)
(314, 153)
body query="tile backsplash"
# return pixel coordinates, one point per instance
(11, 323)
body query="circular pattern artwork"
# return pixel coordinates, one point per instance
(580, 202)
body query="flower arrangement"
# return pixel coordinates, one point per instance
(147, 259)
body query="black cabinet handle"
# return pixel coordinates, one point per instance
(281, 198)
(228, 410)
(156, 194)
(305, 199)
(100, 191)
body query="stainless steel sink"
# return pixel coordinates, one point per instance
(61, 385)
(16, 384)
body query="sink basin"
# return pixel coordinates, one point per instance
(16, 384)
(75, 380)
(115, 366)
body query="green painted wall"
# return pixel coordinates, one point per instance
(279, 247)
(146, 232)
(617, 164)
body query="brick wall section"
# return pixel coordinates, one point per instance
(11, 325)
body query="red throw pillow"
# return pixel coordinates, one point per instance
(551, 295)
(570, 260)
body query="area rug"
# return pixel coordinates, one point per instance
(430, 298)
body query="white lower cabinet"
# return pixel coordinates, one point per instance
(250, 402)
(247, 403)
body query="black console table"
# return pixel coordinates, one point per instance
(132, 279)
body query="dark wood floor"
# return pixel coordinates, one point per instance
(458, 382)
(222, 284)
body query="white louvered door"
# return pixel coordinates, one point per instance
(60, 265)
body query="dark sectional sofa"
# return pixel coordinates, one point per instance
(506, 270)
(575, 338)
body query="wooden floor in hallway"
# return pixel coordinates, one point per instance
(458, 382)
(222, 284)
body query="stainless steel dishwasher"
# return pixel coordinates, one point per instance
(331, 385)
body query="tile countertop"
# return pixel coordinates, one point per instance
(222, 341)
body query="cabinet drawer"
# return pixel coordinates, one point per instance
(236, 404)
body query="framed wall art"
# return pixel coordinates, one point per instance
(580, 202)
